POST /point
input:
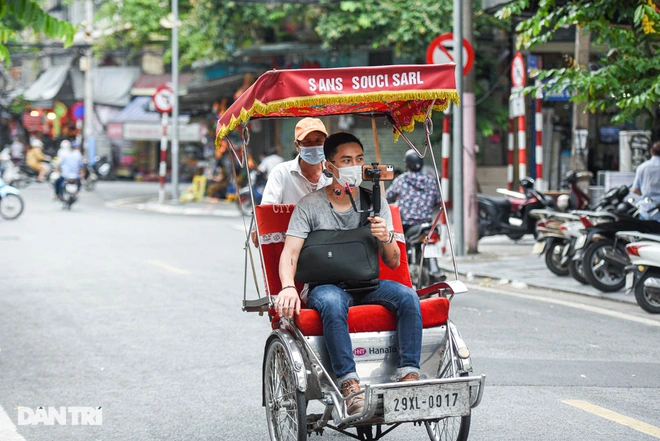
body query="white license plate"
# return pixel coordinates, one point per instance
(433, 250)
(71, 188)
(426, 402)
(538, 248)
(580, 242)
(630, 280)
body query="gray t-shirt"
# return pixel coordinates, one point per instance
(314, 212)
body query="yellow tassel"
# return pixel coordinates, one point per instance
(319, 100)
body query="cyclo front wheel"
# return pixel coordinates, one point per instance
(449, 428)
(285, 405)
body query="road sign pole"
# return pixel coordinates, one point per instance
(457, 199)
(163, 159)
(175, 107)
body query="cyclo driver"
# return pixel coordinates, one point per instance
(331, 210)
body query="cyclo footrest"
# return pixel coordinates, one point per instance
(258, 305)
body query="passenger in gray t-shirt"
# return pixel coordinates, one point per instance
(315, 212)
(331, 209)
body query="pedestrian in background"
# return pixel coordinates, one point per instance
(17, 149)
(647, 183)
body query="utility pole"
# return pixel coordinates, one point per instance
(88, 130)
(175, 106)
(457, 178)
(580, 153)
(470, 216)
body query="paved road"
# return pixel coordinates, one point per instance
(140, 313)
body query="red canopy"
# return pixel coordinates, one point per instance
(403, 91)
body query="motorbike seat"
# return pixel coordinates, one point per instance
(500, 202)
(273, 220)
(416, 231)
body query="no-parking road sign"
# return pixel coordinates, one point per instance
(441, 50)
(163, 99)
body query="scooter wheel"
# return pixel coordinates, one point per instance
(575, 270)
(553, 256)
(648, 298)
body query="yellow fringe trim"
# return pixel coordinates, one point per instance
(320, 100)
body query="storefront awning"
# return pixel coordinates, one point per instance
(136, 122)
(141, 110)
(147, 84)
(48, 84)
(112, 84)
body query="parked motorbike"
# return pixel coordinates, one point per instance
(604, 258)
(510, 215)
(258, 184)
(578, 199)
(89, 177)
(424, 270)
(69, 193)
(11, 202)
(643, 273)
(558, 233)
(553, 240)
(102, 167)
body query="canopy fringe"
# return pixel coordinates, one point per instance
(442, 97)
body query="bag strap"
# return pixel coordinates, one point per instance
(365, 206)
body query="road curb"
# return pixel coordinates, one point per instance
(471, 276)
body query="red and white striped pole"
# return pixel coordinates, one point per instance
(538, 123)
(444, 182)
(163, 158)
(522, 148)
(509, 167)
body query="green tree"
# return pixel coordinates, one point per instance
(18, 15)
(628, 78)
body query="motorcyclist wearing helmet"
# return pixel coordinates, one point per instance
(35, 158)
(416, 192)
(70, 166)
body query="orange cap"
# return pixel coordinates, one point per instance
(308, 125)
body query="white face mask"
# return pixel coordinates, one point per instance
(351, 175)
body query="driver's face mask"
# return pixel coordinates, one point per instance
(312, 155)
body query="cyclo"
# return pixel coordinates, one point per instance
(300, 393)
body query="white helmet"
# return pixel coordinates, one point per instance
(36, 143)
(563, 201)
(65, 144)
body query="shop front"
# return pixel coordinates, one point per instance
(135, 133)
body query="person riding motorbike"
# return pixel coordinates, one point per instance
(35, 157)
(416, 192)
(331, 208)
(70, 166)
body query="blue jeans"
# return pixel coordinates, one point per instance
(333, 302)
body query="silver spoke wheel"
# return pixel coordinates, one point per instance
(450, 428)
(285, 404)
(11, 206)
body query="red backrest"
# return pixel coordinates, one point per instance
(273, 221)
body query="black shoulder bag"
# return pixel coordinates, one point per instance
(346, 258)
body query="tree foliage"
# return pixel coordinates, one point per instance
(628, 78)
(18, 15)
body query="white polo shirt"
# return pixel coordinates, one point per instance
(287, 185)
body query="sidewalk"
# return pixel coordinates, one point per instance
(507, 262)
(207, 207)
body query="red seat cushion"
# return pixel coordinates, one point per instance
(372, 318)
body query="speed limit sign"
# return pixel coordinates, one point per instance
(163, 99)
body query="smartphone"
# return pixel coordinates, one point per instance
(369, 171)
